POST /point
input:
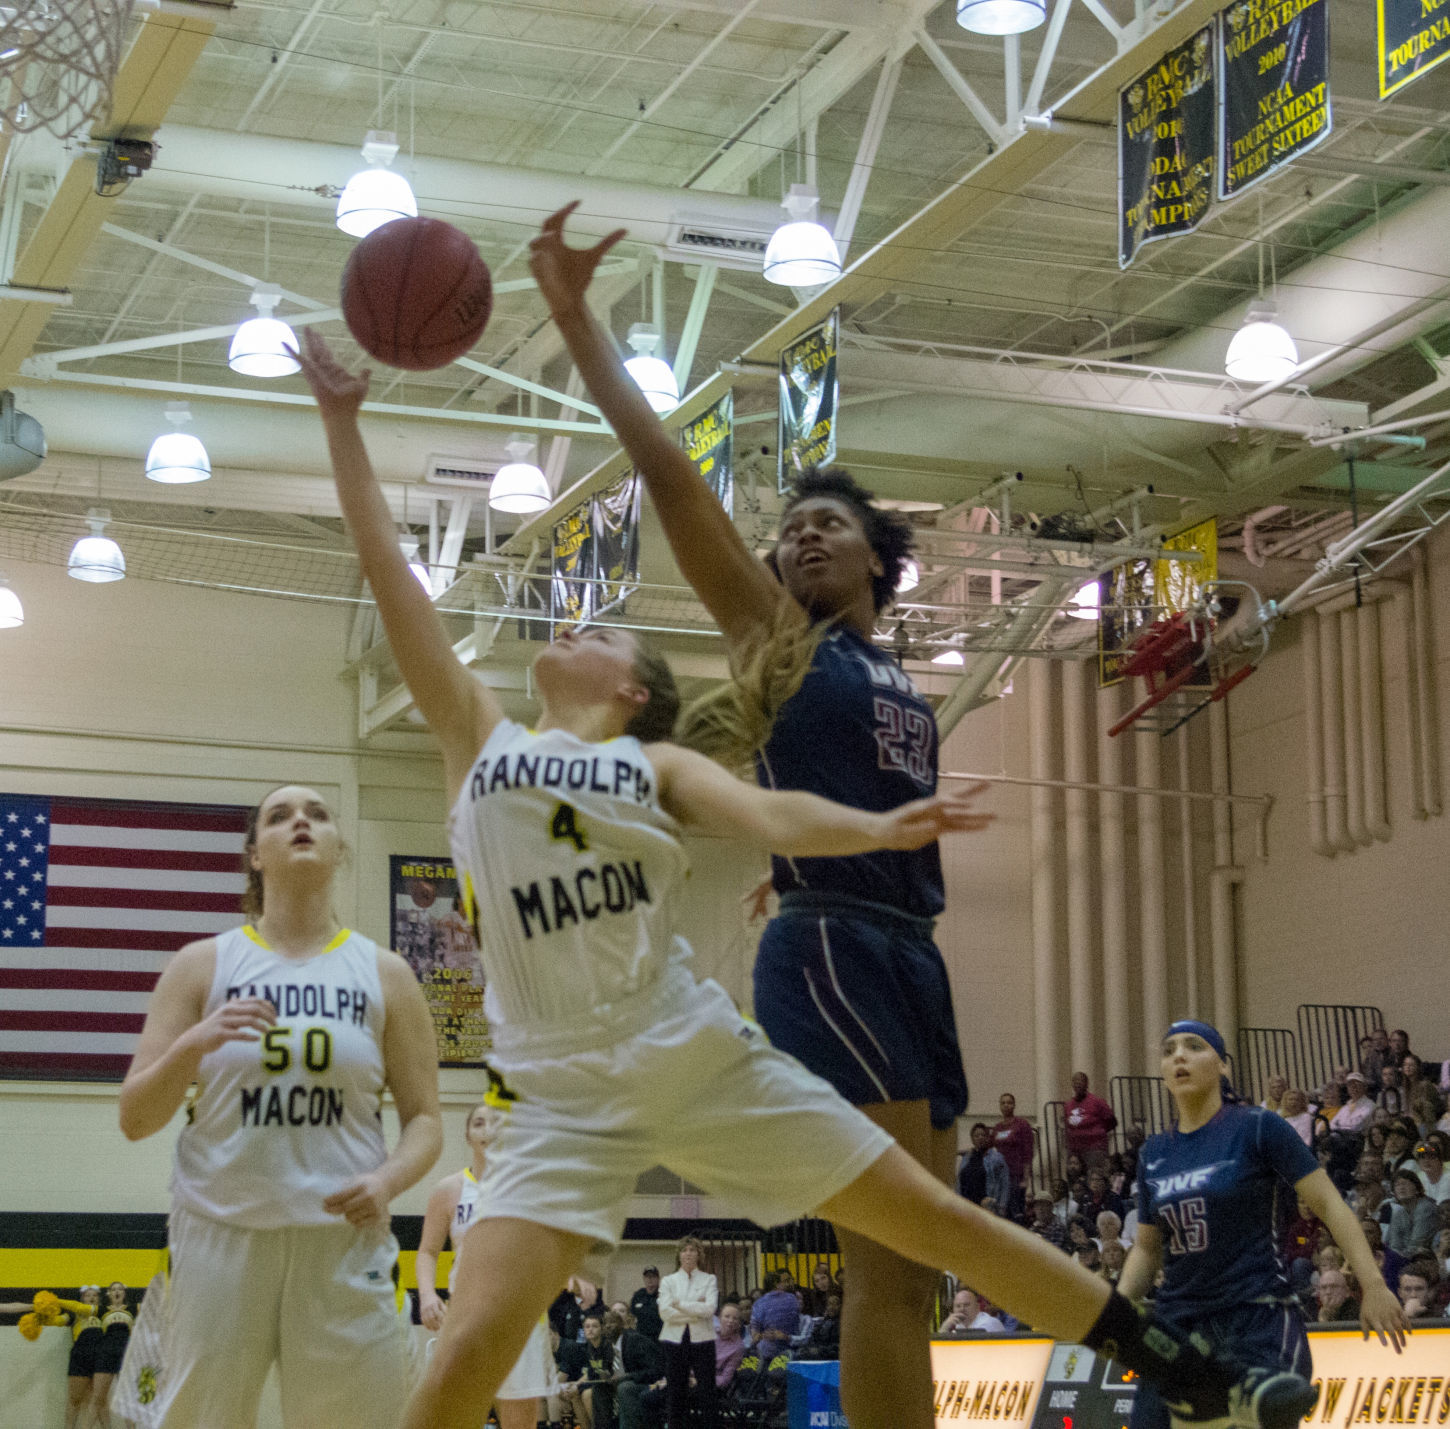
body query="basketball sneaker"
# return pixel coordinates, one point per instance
(1260, 1399)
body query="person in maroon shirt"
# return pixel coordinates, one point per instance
(1012, 1136)
(1087, 1121)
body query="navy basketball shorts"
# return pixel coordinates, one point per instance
(1266, 1336)
(858, 992)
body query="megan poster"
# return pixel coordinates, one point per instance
(431, 930)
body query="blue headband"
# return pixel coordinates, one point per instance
(1209, 1033)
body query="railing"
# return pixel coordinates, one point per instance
(1140, 1101)
(799, 1248)
(1266, 1052)
(1048, 1154)
(1329, 1034)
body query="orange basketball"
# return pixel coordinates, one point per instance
(416, 294)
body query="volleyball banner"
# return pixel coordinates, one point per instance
(809, 395)
(95, 897)
(1166, 146)
(1274, 87)
(431, 929)
(709, 442)
(571, 593)
(1414, 36)
(614, 518)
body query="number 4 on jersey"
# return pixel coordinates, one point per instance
(565, 826)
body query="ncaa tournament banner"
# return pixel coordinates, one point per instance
(432, 932)
(1274, 90)
(614, 515)
(571, 592)
(1127, 607)
(809, 395)
(709, 442)
(1166, 146)
(1414, 36)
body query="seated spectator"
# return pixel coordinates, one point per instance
(1045, 1223)
(1358, 1106)
(1274, 1096)
(1415, 1218)
(1415, 1292)
(1109, 1227)
(1300, 1241)
(968, 1314)
(1401, 1137)
(1425, 1107)
(1114, 1256)
(982, 1176)
(1089, 1257)
(1137, 1134)
(1100, 1198)
(729, 1346)
(1079, 1235)
(638, 1364)
(1064, 1208)
(1074, 1169)
(1442, 1251)
(803, 1325)
(1412, 1074)
(1390, 1098)
(1388, 1262)
(1369, 1199)
(1430, 1162)
(822, 1288)
(587, 1365)
(1336, 1297)
(775, 1318)
(824, 1341)
(1370, 1060)
(1299, 1114)
(1444, 1123)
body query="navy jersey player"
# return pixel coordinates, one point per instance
(847, 978)
(609, 1057)
(1210, 1194)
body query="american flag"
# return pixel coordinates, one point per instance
(95, 896)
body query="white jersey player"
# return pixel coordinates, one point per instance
(450, 1213)
(281, 1250)
(609, 1056)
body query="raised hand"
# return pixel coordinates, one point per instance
(339, 393)
(925, 820)
(563, 273)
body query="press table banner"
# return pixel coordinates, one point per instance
(1166, 146)
(1274, 83)
(809, 395)
(709, 442)
(1414, 36)
(615, 519)
(433, 933)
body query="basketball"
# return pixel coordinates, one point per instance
(416, 294)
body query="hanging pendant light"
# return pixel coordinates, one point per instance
(97, 557)
(1000, 17)
(949, 657)
(375, 195)
(801, 253)
(259, 348)
(652, 374)
(910, 578)
(177, 458)
(1086, 603)
(12, 613)
(408, 544)
(518, 487)
(1261, 350)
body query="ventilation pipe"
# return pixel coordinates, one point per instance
(1314, 737)
(1046, 999)
(1188, 868)
(1331, 696)
(1405, 605)
(1081, 876)
(1372, 719)
(1353, 777)
(1426, 702)
(1223, 880)
(1113, 913)
(1152, 922)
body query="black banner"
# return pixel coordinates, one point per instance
(1128, 606)
(432, 929)
(709, 442)
(1165, 146)
(1274, 89)
(809, 393)
(1414, 36)
(571, 594)
(615, 515)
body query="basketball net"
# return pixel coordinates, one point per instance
(58, 61)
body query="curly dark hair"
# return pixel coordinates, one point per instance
(888, 533)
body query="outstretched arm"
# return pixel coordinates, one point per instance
(699, 793)
(736, 588)
(459, 709)
(436, 1221)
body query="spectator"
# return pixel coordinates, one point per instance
(824, 1341)
(1064, 1208)
(1369, 1200)
(822, 1288)
(1335, 1297)
(1358, 1107)
(1100, 1199)
(1412, 1073)
(1425, 1107)
(1442, 1250)
(775, 1319)
(1087, 1120)
(1415, 1218)
(1300, 1241)
(587, 1365)
(1399, 1046)
(1046, 1224)
(1296, 1111)
(1013, 1137)
(730, 1346)
(1109, 1230)
(1430, 1161)
(1415, 1292)
(983, 1177)
(1079, 1235)
(1089, 1256)
(1401, 1137)
(1114, 1256)
(1390, 1096)
(688, 1300)
(968, 1314)
(644, 1304)
(1388, 1262)
(1274, 1100)
(1371, 1059)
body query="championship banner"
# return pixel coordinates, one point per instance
(1166, 146)
(432, 932)
(709, 442)
(1179, 584)
(1414, 36)
(571, 594)
(614, 515)
(809, 394)
(1274, 87)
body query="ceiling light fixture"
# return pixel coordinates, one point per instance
(1000, 17)
(12, 613)
(177, 458)
(518, 486)
(1261, 350)
(949, 657)
(259, 348)
(1086, 603)
(910, 578)
(375, 195)
(802, 253)
(651, 373)
(408, 544)
(97, 557)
